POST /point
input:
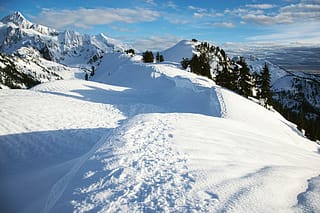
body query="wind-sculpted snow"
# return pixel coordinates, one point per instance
(149, 138)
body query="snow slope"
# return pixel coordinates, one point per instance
(183, 49)
(150, 138)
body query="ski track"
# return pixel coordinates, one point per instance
(139, 170)
(221, 105)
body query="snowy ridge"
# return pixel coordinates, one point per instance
(183, 49)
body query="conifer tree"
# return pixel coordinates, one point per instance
(195, 65)
(223, 78)
(92, 71)
(147, 57)
(158, 57)
(245, 81)
(185, 63)
(205, 65)
(265, 85)
(161, 58)
(234, 77)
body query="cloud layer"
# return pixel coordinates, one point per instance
(86, 18)
(170, 20)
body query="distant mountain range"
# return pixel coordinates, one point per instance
(46, 54)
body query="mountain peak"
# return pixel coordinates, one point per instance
(18, 19)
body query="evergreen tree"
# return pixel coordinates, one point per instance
(223, 78)
(92, 71)
(265, 92)
(245, 79)
(185, 63)
(158, 57)
(199, 65)
(147, 57)
(161, 58)
(195, 65)
(205, 65)
(234, 77)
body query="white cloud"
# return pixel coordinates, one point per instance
(260, 6)
(268, 20)
(302, 11)
(178, 21)
(151, 2)
(290, 14)
(86, 18)
(222, 24)
(203, 12)
(304, 32)
(198, 15)
(171, 5)
(123, 29)
(155, 43)
(198, 9)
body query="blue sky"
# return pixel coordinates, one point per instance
(153, 24)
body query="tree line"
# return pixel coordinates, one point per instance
(148, 57)
(234, 75)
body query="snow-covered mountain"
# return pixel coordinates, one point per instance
(150, 138)
(51, 52)
(67, 47)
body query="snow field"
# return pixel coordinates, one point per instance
(244, 171)
(150, 138)
(40, 135)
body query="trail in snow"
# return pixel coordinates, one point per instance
(136, 169)
(172, 99)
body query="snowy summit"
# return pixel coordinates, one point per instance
(145, 137)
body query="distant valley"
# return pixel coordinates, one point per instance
(295, 59)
